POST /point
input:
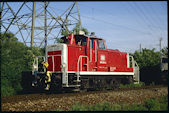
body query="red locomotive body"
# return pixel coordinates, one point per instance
(84, 62)
(89, 56)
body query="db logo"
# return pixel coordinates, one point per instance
(102, 57)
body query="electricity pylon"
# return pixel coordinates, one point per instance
(37, 23)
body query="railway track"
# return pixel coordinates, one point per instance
(37, 96)
(51, 102)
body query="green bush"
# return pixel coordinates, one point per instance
(116, 107)
(102, 107)
(15, 58)
(164, 99)
(135, 107)
(98, 107)
(157, 105)
(6, 89)
(164, 102)
(152, 104)
(78, 107)
(132, 85)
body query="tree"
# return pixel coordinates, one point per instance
(12, 63)
(15, 58)
(149, 63)
(64, 32)
(75, 30)
(59, 40)
(147, 57)
(165, 51)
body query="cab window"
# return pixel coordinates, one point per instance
(101, 44)
(91, 43)
(80, 40)
(63, 40)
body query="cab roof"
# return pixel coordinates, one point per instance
(91, 36)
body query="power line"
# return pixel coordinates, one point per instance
(147, 17)
(139, 21)
(139, 13)
(112, 15)
(99, 20)
(102, 10)
(121, 26)
(88, 17)
(154, 12)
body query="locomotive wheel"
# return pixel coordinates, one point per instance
(115, 83)
(130, 80)
(83, 90)
(103, 84)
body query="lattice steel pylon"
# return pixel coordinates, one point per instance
(37, 24)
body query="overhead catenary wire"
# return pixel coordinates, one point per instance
(99, 20)
(142, 17)
(116, 25)
(146, 17)
(51, 20)
(139, 12)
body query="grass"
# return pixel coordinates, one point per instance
(151, 104)
(132, 85)
(98, 107)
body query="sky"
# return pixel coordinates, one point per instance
(123, 25)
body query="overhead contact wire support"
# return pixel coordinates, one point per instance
(45, 6)
(33, 24)
(80, 23)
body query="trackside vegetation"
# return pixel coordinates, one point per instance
(149, 63)
(15, 58)
(132, 85)
(151, 104)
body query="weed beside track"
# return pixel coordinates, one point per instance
(49, 102)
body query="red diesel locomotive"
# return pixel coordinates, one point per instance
(82, 62)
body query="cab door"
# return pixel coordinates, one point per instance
(93, 54)
(102, 56)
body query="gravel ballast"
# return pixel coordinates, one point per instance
(50, 102)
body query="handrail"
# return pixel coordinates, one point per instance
(135, 69)
(80, 59)
(35, 63)
(53, 61)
